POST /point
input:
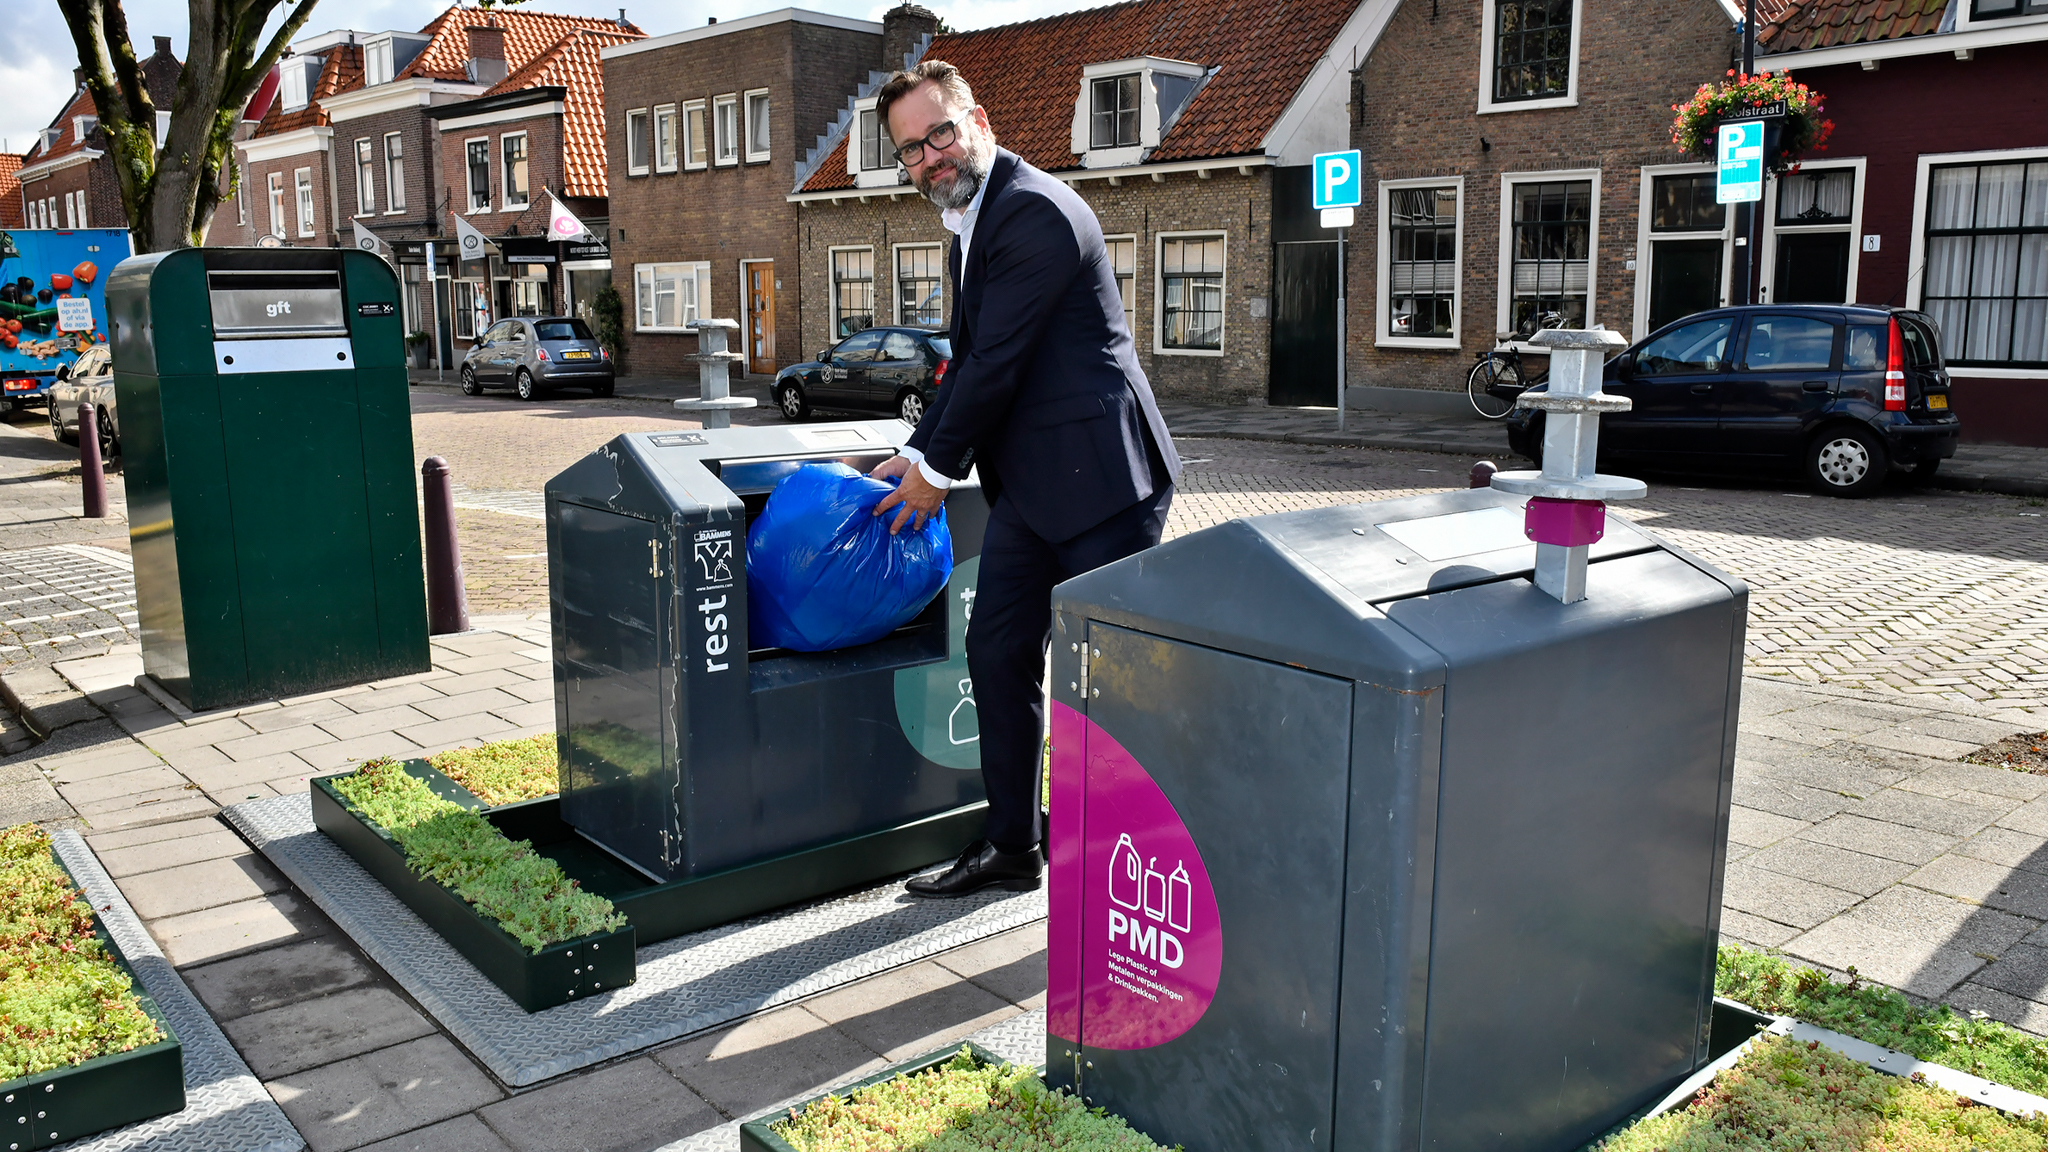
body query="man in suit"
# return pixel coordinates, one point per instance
(1046, 398)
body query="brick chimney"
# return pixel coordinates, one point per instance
(163, 46)
(486, 54)
(903, 27)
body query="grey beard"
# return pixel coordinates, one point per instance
(960, 193)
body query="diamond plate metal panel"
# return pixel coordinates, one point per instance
(226, 1108)
(685, 985)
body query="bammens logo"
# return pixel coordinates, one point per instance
(714, 558)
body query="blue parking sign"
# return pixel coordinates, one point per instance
(1336, 179)
(1740, 149)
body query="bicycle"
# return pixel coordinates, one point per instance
(1497, 379)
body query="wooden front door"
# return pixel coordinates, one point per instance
(761, 318)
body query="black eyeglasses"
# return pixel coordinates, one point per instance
(938, 139)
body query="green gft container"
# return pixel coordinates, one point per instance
(267, 436)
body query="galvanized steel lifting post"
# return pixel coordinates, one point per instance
(714, 365)
(447, 602)
(1567, 510)
(91, 469)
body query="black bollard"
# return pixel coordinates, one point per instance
(447, 603)
(91, 469)
(1482, 475)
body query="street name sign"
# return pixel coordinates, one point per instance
(1740, 149)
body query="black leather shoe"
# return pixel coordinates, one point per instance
(981, 866)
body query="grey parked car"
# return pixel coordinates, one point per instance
(90, 378)
(533, 353)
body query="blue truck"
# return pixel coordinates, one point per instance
(53, 304)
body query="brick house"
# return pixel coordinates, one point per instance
(286, 189)
(1517, 159)
(537, 133)
(1932, 191)
(11, 200)
(353, 138)
(705, 130)
(1187, 125)
(67, 179)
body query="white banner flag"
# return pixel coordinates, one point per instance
(562, 223)
(469, 243)
(372, 243)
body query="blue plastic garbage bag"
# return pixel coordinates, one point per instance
(823, 572)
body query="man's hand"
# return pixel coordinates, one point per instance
(918, 498)
(893, 466)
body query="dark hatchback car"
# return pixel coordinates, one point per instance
(895, 370)
(535, 353)
(1844, 393)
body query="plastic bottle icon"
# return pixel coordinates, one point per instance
(964, 718)
(1180, 899)
(1124, 881)
(1155, 891)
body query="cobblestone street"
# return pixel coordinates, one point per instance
(1922, 592)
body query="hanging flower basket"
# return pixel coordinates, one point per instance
(1803, 131)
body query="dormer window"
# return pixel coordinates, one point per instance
(870, 154)
(294, 81)
(2005, 9)
(1113, 111)
(1126, 107)
(80, 125)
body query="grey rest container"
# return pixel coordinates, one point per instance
(688, 750)
(1466, 842)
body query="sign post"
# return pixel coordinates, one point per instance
(1335, 187)
(1740, 143)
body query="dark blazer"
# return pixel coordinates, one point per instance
(1044, 393)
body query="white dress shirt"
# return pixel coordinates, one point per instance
(960, 222)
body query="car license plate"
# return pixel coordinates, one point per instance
(1937, 402)
(573, 355)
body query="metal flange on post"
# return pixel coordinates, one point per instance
(1567, 510)
(714, 365)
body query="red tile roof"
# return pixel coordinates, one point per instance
(10, 191)
(1828, 23)
(340, 71)
(527, 35)
(1027, 75)
(572, 63)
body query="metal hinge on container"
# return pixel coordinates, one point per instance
(1084, 671)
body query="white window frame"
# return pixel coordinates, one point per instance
(460, 316)
(1508, 180)
(366, 177)
(1639, 326)
(376, 53)
(1131, 320)
(832, 287)
(274, 183)
(887, 173)
(302, 188)
(70, 212)
(689, 138)
(1767, 213)
(636, 133)
(1385, 304)
(1968, 21)
(1916, 263)
(1159, 240)
(394, 175)
(82, 223)
(896, 281)
(725, 144)
(665, 113)
(505, 163)
(746, 113)
(700, 276)
(1489, 21)
(294, 85)
(242, 196)
(469, 205)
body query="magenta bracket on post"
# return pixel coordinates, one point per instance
(1570, 523)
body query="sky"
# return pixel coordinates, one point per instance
(37, 55)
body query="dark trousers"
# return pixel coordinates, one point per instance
(1006, 640)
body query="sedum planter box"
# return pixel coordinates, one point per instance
(557, 974)
(111, 1091)
(757, 1136)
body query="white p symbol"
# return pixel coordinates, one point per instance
(1336, 173)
